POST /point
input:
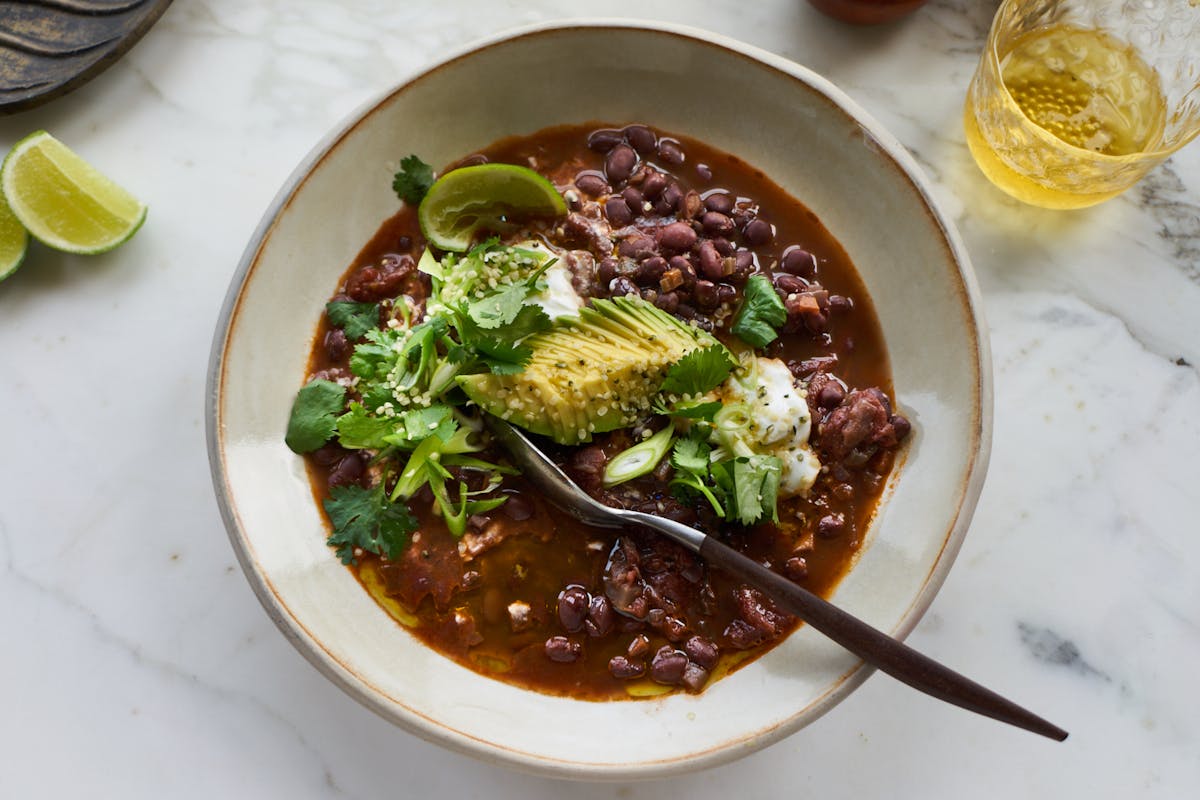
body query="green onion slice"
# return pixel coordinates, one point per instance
(640, 459)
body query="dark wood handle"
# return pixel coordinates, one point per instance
(875, 647)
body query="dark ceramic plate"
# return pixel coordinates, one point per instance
(49, 47)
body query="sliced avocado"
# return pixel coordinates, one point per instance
(590, 375)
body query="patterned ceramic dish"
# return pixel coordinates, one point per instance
(782, 118)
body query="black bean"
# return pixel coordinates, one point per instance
(694, 677)
(670, 151)
(796, 568)
(641, 137)
(742, 217)
(758, 232)
(684, 311)
(704, 172)
(743, 262)
(721, 202)
(901, 425)
(667, 301)
(702, 651)
(831, 395)
(726, 293)
(517, 508)
(600, 616)
(572, 608)
(349, 470)
(653, 186)
(789, 284)
(592, 184)
(716, 224)
(798, 261)
(606, 270)
(723, 245)
(832, 525)
(677, 236)
(675, 629)
(604, 140)
(336, 344)
(712, 266)
(668, 200)
(705, 293)
(637, 247)
(651, 270)
(688, 272)
(840, 303)
(618, 212)
(622, 286)
(639, 646)
(563, 650)
(619, 164)
(329, 454)
(668, 666)
(404, 244)
(622, 667)
(634, 199)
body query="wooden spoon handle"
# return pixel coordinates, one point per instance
(875, 647)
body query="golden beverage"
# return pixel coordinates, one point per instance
(1069, 118)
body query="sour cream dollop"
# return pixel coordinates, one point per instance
(779, 421)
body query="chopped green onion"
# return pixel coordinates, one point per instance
(638, 460)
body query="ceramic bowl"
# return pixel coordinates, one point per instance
(781, 118)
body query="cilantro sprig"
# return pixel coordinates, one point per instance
(699, 371)
(355, 319)
(366, 519)
(413, 180)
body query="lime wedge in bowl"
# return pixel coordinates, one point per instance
(484, 197)
(65, 202)
(14, 240)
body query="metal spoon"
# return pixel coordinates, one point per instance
(871, 645)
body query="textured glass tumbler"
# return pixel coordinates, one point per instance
(1075, 100)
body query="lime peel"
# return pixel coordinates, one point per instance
(65, 202)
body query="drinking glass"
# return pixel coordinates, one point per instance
(1075, 100)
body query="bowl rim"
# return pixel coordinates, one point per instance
(461, 741)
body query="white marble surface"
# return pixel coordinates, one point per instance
(137, 662)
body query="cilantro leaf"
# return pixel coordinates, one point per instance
(756, 487)
(690, 458)
(695, 409)
(436, 420)
(761, 313)
(499, 307)
(353, 318)
(314, 415)
(413, 180)
(357, 429)
(698, 371)
(364, 518)
(691, 454)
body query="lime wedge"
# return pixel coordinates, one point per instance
(63, 201)
(487, 196)
(14, 241)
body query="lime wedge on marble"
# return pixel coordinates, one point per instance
(14, 240)
(65, 202)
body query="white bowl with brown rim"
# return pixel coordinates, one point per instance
(781, 118)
